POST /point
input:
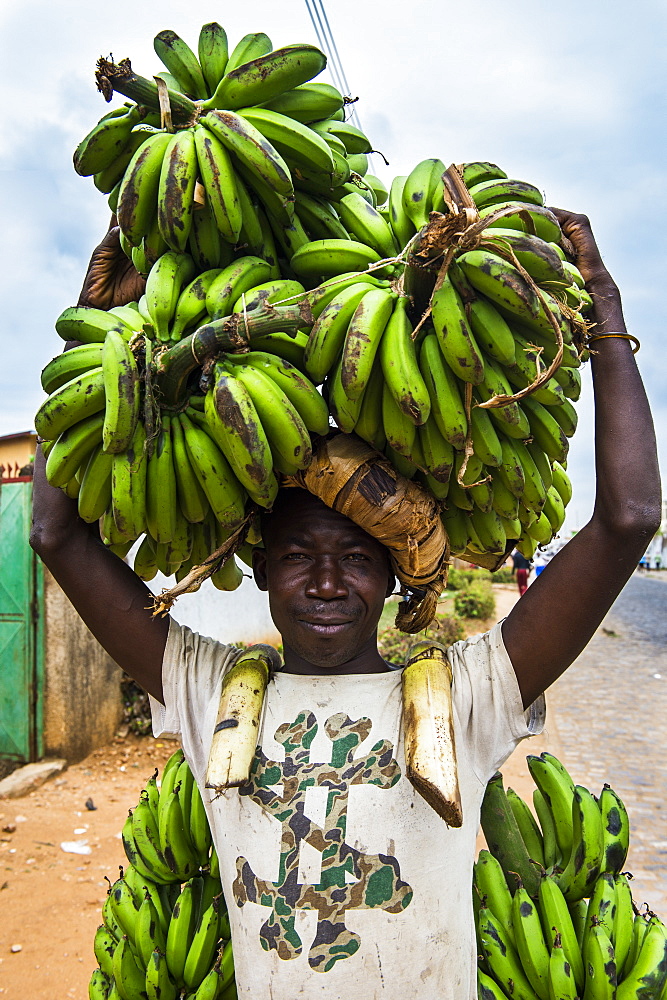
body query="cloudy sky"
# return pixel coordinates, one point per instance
(570, 96)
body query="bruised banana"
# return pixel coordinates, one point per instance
(237, 724)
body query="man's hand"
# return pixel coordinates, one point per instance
(111, 279)
(578, 230)
(547, 629)
(599, 283)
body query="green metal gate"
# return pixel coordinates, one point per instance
(21, 628)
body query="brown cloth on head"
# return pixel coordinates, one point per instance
(353, 478)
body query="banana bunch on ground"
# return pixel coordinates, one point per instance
(160, 939)
(554, 914)
(180, 477)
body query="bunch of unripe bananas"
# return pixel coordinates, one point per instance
(251, 157)
(187, 485)
(554, 913)
(275, 263)
(161, 939)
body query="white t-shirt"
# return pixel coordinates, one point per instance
(341, 881)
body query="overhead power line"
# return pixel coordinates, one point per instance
(327, 43)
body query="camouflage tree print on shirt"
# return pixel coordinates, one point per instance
(378, 878)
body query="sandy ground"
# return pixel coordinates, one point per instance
(50, 900)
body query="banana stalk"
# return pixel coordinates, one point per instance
(430, 751)
(121, 78)
(230, 333)
(237, 726)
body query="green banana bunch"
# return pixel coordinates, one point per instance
(265, 77)
(420, 191)
(235, 426)
(298, 144)
(182, 63)
(365, 224)
(121, 393)
(400, 368)
(329, 258)
(565, 944)
(213, 52)
(401, 223)
(137, 202)
(82, 396)
(165, 282)
(157, 937)
(222, 489)
(176, 190)
(308, 103)
(264, 185)
(219, 180)
(191, 304)
(327, 336)
(286, 433)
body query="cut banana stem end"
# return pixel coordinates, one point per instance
(430, 751)
(237, 725)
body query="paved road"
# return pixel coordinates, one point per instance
(611, 715)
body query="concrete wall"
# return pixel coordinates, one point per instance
(240, 616)
(82, 703)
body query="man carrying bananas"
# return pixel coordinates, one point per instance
(341, 878)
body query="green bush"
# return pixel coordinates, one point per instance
(476, 601)
(394, 645)
(503, 575)
(460, 578)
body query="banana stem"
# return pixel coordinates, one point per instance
(120, 77)
(239, 713)
(428, 720)
(231, 333)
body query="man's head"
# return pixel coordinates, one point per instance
(327, 581)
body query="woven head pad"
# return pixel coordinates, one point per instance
(354, 479)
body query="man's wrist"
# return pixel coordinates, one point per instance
(608, 309)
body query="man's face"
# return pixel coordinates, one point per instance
(327, 581)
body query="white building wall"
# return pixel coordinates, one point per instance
(240, 616)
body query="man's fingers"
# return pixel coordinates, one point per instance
(111, 279)
(577, 229)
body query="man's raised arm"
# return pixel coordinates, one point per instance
(109, 597)
(555, 619)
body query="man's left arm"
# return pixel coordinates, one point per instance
(558, 615)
